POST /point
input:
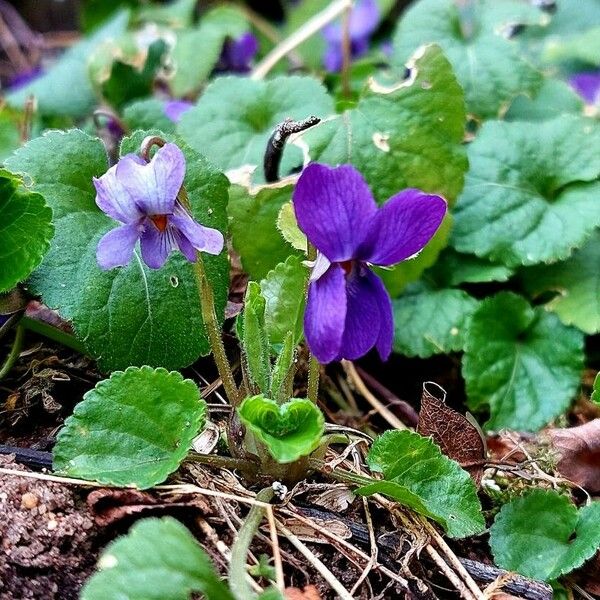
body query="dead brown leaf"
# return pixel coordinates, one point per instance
(579, 451)
(310, 592)
(458, 437)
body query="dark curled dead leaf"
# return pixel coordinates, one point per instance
(458, 437)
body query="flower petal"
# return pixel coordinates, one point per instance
(186, 248)
(156, 245)
(154, 186)
(325, 314)
(115, 248)
(386, 318)
(174, 109)
(402, 227)
(364, 19)
(238, 53)
(113, 199)
(587, 85)
(205, 239)
(334, 207)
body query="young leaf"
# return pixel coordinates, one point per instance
(130, 315)
(147, 114)
(255, 341)
(158, 559)
(253, 217)
(522, 361)
(543, 535)
(577, 283)
(524, 179)
(429, 321)
(289, 431)
(288, 227)
(596, 392)
(66, 89)
(417, 474)
(132, 429)
(284, 369)
(235, 117)
(284, 289)
(488, 66)
(25, 230)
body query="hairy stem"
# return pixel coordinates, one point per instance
(313, 363)
(15, 350)
(239, 551)
(221, 462)
(339, 475)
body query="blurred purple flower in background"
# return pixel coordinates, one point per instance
(174, 109)
(363, 22)
(587, 85)
(348, 310)
(20, 80)
(238, 53)
(143, 196)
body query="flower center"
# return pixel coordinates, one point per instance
(160, 221)
(347, 266)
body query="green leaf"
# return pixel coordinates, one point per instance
(176, 14)
(454, 268)
(542, 535)
(289, 431)
(577, 282)
(522, 361)
(428, 321)
(415, 470)
(488, 66)
(253, 217)
(255, 341)
(596, 392)
(159, 559)
(554, 98)
(132, 429)
(282, 375)
(197, 50)
(148, 114)
(584, 47)
(65, 89)
(405, 134)
(131, 315)
(531, 192)
(288, 226)
(235, 117)
(284, 289)
(25, 230)
(10, 136)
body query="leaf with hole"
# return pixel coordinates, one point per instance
(133, 429)
(544, 536)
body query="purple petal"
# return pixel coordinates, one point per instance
(238, 53)
(364, 19)
(115, 248)
(402, 227)
(155, 185)
(587, 85)
(333, 58)
(366, 296)
(386, 319)
(186, 248)
(174, 109)
(156, 245)
(113, 199)
(325, 314)
(205, 239)
(334, 207)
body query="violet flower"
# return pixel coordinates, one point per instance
(587, 85)
(238, 53)
(143, 196)
(348, 310)
(174, 109)
(364, 18)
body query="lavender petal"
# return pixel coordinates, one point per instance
(205, 239)
(156, 245)
(174, 109)
(113, 199)
(587, 85)
(115, 248)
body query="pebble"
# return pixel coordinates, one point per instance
(29, 500)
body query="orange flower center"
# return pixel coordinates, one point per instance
(160, 221)
(347, 266)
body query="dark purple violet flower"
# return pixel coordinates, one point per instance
(143, 196)
(348, 310)
(238, 53)
(587, 85)
(20, 80)
(174, 109)
(363, 22)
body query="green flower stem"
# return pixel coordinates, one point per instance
(209, 316)
(53, 333)
(313, 363)
(339, 475)
(238, 573)
(221, 462)
(15, 350)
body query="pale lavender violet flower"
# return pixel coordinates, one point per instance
(238, 53)
(174, 109)
(587, 85)
(348, 309)
(143, 196)
(364, 18)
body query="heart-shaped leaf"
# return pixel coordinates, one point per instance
(132, 429)
(531, 194)
(25, 230)
(543, 535)
(130, 315)
(289, 431)
(521, 361)
(417, 474)
(159, 559)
